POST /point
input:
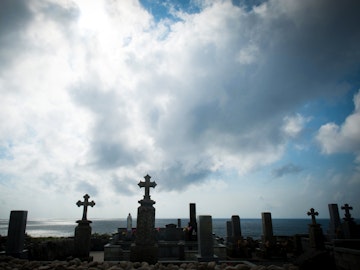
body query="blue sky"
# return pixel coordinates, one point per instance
(241, 107)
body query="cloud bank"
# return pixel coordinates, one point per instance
(97, 94)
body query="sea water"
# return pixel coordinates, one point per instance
(249, 227)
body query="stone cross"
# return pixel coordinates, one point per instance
(312, 213)
(85, 203)
(347, 209)
(147, 185)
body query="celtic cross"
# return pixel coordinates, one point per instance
(312, 213)
(85, 203)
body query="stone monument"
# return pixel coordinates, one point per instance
(349, 227)
(334, 230)
(316, 236)
(205, 240)
(16, 234)
(83, 231)
(145, 247)
(268, 235)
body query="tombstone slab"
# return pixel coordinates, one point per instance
(205, 239)
(268, 236)
(335, 222)
(16, 234)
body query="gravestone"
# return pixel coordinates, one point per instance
(334, 230)
(268, 236)
(205, 240)
(16, 234)
(145, 248)
(350, 229)
(316, 237)
(236, 228)
(192, 224)
(82, 239)
(229, 232)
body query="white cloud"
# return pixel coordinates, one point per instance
(293, 125)
(344, 138)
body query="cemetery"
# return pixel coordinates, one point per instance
(194, 246)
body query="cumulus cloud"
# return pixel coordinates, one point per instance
(103, 91)
(344, 138)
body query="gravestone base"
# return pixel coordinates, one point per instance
(213, 258)
(350, 230)
(113, 253)
(316, 237)
(82, 239)
(149, 254)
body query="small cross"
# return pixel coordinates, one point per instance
(147, 185)
(347, 209)
(312, 213)
(85, 203)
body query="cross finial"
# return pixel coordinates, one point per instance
(312, 213)
(347, 209)
(147, 185)
(85, 203)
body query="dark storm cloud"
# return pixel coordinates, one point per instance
(87, 188)
(286, 169)
(122, 185)
(109, 147)
(14, 18)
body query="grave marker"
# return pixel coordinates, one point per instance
(350, 229)
(335, 222)
(145, 248)
(268, 235)
(316, 236)
(16, 234)
(205, 239)
(83, 231)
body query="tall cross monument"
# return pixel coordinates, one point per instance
(145, 247)
(316, 236)
(82, 237)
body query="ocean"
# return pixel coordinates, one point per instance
(249, 227)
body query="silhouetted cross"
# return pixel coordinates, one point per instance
(85, 203)
(347, 209)
(147, 185)
(312, 213)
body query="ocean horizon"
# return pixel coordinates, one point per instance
(250, 227)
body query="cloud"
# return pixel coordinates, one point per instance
(108, 93)
(344, 138)
(286, 169)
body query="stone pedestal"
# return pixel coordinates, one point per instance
(82, 239)
(16, 234)
(350, 229)
(316, 236)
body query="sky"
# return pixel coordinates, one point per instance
(241, 107)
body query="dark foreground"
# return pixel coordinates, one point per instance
(10, 263)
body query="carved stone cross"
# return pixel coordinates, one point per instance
(147, 185)
(85, 203)
(312, 213)
(347, 209)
